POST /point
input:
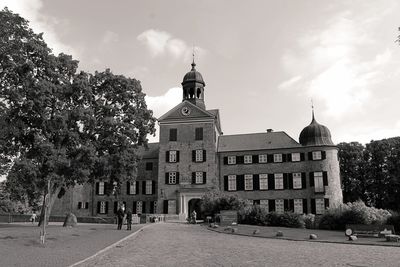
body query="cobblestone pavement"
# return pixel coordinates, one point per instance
(170, 244)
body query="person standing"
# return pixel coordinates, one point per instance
(120, 217)
(128, 219)
(33, 217)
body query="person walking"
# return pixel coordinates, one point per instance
(194, 215)
(120, 217)
(128, 219)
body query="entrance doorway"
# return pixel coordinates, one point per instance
(195, 205)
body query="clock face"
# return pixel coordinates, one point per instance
(185, 111)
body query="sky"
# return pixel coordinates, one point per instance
(262, 61)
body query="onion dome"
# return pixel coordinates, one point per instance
(315, 134)
(193, 76)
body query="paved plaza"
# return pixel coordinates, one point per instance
(173, 244)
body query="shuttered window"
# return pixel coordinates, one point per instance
(278, 180)
(279, 206)
(318, 182)
(277, 157)
(248, 159)
(297, 181)
(264, 204)
(149, 187)
(199, 177)
(103, 207)
(262, 158)
(132, 188)
(295, 156)
(139, 207)
(319, 206)
(199, 155)
(316, 155)
(298, 206)
(231, 182)
(248, 182)
(101, 188)
(172, 178)
(172, 156)
(231, 160)
(263, 181)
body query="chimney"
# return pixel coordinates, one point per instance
(269, 130)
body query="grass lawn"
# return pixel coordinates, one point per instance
(20, 243)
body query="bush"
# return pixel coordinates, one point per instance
(215, 201)
(286, 219)
(309, 220)
(395, 221)
(253, 214)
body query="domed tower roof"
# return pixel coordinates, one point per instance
(315, 134)
(193, 76)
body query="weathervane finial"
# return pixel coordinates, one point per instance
(312, 108)
(193, 64)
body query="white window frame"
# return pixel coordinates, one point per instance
(264, 203)
(172, 178)
(296, 157)
(319, 182)
(277, 157)
(231, 182)
(278, 180)
(316, 155)
(101, 188)
(298, 205)
(199, 177)
(319, 206)
(263, 180)
(173, 155)
(248, 159)
(149, 187)
(139, 207)
(263, 158)
(231, 160)
(297, 182)
(248, 182)
(279, 206)
(132, 188)
(102, 207)
(199, 155)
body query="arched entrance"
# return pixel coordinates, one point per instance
(195, 204)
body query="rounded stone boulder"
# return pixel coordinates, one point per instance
(352, 238)
(313, 236)
(70, 220)
(279, 233)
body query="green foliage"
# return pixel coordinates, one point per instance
(253, 214)
(214, 201)
(309, 220)
(286, 219)
(9, 206)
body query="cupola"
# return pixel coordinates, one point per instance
(315, 134)
(193, 87)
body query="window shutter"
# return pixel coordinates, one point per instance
(270, 158)
(290, 180)
(240, 182)
(153, 187)
(127, 188)
(313, 210)
(225, 160)
(311, 179)
(137, 187)
(166, 156)
(106, 207)
(134, 207)
(289, 157)
(115, 207)
(302, 157)
(79, 205)
(325, 178)
(97, 188)
(283, 157)
(239, 159)
(143, 206)
(310, 156)
(167, 178)
(256, 182)
(204, 177)
(285, 181)
(303, 180)
(326, 201)
(271, 181)
(204, 155)
(254, 158)
(194, 155)
(177, 177)
(226, 182)
(291, 205)
(98, 206)
(152, 207)
(305, 210)
(165, 206)
(143, 187)
(177, 156)
(286, 204)
(323, 154)
(87, 205)
(193, 177)
(271, 205)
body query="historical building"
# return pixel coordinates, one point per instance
(193, 156)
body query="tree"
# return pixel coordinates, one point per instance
(61, 127)
(7, 205)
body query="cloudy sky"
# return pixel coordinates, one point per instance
(262, 61)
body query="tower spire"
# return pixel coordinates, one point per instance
(193, 64)
(312, 109)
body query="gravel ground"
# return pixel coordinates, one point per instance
(170, 244)
(20, 243)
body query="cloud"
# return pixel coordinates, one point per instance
(110, 37)
(30, 10)
(163, 43)
(290, 82)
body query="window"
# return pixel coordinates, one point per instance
(279, 206)
(316, 155)
(277, 157)
(264, 204)
(149, 187)
(231, 182)
(199, 177)
(172, 156)
(319, 182)
(319, 206)
(149, 166)
(263, 181)
(199, 155)
(102, 207)
(262, 158)
(173, 133)
(132, 188)
(155, 207)
(101, 188)
(231, 160)
(247, 159)
(298, 206)
(83, 205)
(199, 134)
(297, 180)
(248, 182)
(278, 180)
(139, 207)
(172, 178)
(295, 156)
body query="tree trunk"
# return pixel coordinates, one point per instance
(49, 205)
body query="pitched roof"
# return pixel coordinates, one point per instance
(150, 152)
(256, 141)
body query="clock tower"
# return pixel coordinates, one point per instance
(187, 151)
